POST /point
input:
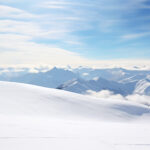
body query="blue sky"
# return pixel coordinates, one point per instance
(63, 31)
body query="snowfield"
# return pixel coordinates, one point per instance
(37, 118)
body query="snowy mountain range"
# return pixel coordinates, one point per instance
(97, 84)
(80, 80)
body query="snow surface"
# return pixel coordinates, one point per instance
(37, 118)
(143, 87)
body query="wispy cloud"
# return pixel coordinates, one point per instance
(32, 29)
(20, 27)
(135, 36)
(21, 50)
(11, 12)
(65, 24)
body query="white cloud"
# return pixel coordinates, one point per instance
(103, 14)
(21, 50)
(11, 12)
(20, 27)
(53, 5)
(135, 36)
(46, 26)
(142, 99)
(18, 49)
(63, 4)
(102, 4)
(32, 29)
(105, 94)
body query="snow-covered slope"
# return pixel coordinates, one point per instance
(25, 99)
(143, 86)
(134, 78)
(33, 117)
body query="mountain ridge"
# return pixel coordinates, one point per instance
(118, 80)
